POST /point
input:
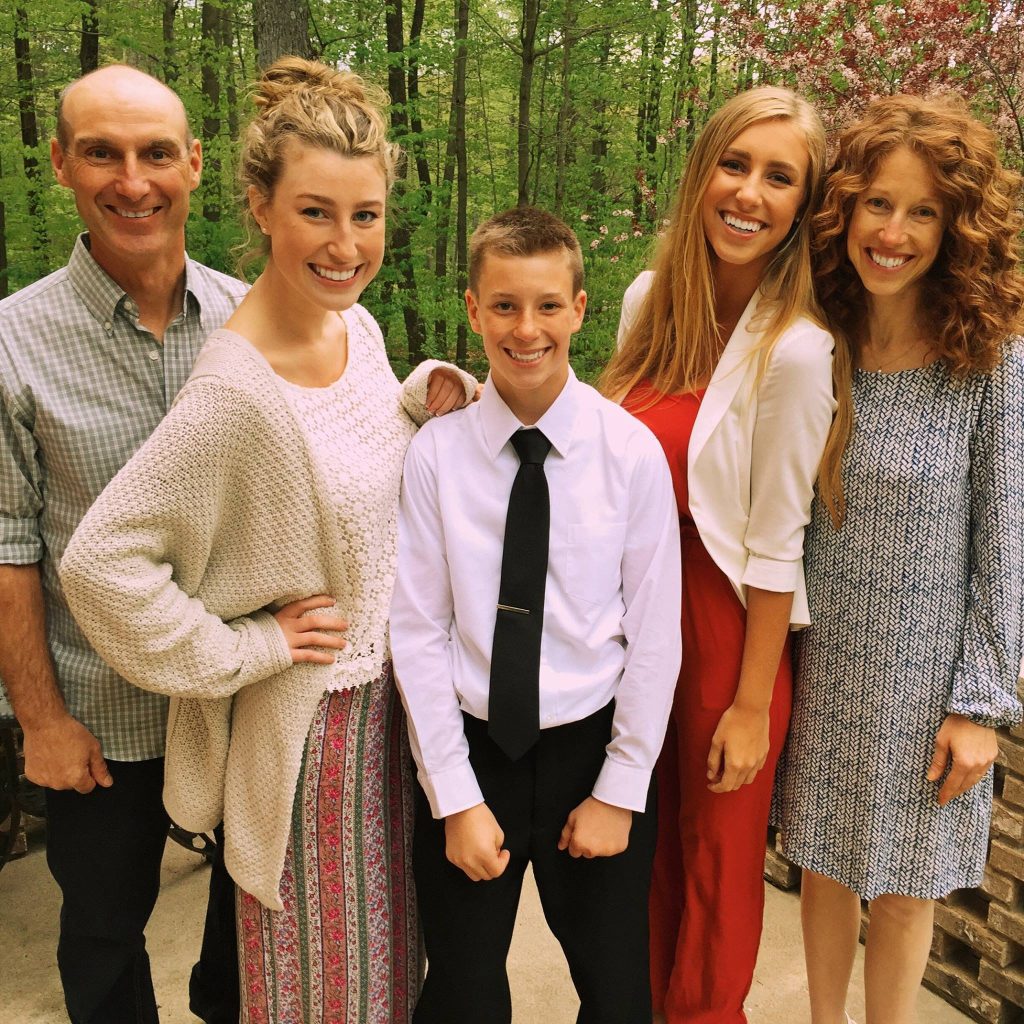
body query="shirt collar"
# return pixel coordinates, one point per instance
(558, 423)
(102, 294)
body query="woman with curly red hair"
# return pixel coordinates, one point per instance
(916, 556)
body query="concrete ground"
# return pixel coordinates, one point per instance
(541, 990)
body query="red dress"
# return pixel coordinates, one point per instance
(707, 891)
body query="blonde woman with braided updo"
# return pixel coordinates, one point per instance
(243, 562)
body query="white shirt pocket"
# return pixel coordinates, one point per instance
(593, 560)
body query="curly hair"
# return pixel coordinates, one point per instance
(973, 294)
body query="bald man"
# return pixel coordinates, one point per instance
(91, 358)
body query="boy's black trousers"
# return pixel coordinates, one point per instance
(597, 908)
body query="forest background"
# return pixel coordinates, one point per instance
(585, 107)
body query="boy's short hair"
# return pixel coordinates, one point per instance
(524, 231)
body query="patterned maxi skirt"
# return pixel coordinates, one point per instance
(345, 949)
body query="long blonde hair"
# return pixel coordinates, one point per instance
(674, 342)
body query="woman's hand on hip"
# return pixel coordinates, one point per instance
(306, 633)
(967, 749)
(739, 748)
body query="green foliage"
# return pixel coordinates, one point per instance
(618, 90)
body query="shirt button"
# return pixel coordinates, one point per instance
(129, 307)
(154, 355)
(107, 325)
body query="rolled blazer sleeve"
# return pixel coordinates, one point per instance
(794, 414)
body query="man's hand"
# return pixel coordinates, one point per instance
(60, 752)
(473, 843)
(968, 749)
(739, 748)
(596, 829)
(63, 754)
(445, 391)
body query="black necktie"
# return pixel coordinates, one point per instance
(514, 704)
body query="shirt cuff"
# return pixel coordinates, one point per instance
(270, 646)
(26, 550)
(452, 790)
(987, 705)
(771, 574)
(623, 785)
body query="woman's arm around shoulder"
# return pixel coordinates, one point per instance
(432, 388)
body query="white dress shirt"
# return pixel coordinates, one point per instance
(611, 609)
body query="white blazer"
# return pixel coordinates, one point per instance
(755, 449)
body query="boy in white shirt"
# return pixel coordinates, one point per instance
(535, 636)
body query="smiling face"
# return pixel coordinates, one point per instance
(128, 161)
(896, 227)
(325, 220)
(526, 312)
(755, 192)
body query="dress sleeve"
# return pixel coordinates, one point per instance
(137, 559)
(794, 414)
(985, 677)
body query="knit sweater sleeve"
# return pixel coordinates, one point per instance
(138, 559)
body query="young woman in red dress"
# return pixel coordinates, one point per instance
(722, 356)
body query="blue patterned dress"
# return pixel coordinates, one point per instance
(917, 605)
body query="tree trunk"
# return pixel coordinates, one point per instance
(216, 34)
(5, 283)
(280, 27)
(396, 67)
(170, 57)
(413, 83)
(89, 49)
(30, 139)
(401, 235)
(462, 182)
(565, 112)
(443, 195)
(712, 74)
(599, 129)
(527, 41)
(537, 156)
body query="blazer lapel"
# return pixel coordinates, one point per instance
(729, 374)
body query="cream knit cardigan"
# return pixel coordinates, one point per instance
(222, 514)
